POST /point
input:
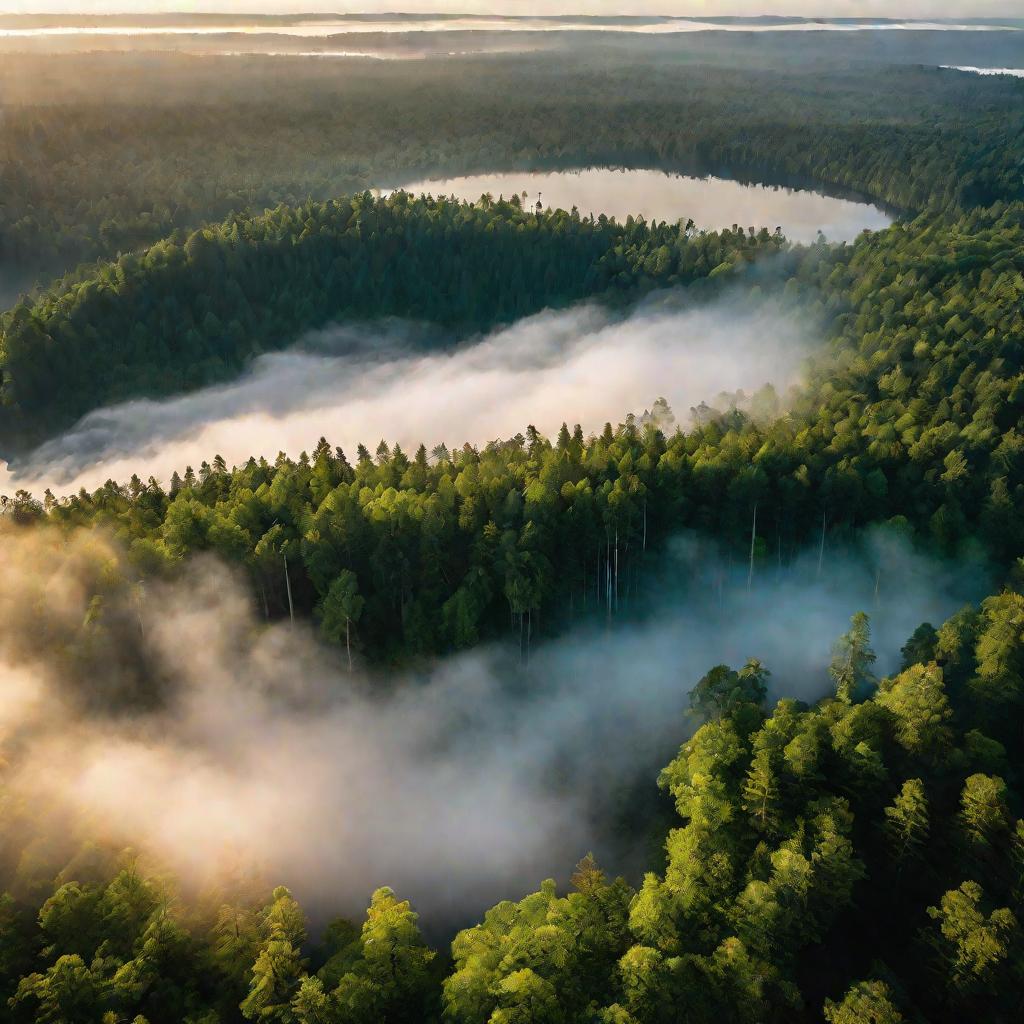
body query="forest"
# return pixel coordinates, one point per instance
(846, 847)
(194, 139)
(149, 325)
(856, 859)
(912, 415)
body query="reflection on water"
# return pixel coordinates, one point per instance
(709, 202)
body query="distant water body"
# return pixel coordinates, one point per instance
(654, 195)
(1012, 72)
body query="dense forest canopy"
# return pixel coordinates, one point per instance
(860, 859)
(106, 153)
(149, 324)
(912, 414)
(856, 859)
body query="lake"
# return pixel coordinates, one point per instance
(654, 195)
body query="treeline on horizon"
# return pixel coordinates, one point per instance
(104, 153)
(861, 860)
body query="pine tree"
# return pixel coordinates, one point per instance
(852, 659)
(279, 966)
(906, 821)
(761, 793)
(867, 1002)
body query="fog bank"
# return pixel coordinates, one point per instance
(398, 24)
(458, 786)
(359, 384)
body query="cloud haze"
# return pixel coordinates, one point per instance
(459, 785)
(682, 8)
(363, 384)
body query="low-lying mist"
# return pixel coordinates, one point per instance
(361, 384)
(250, 750)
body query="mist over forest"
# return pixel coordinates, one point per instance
(511, 520)
(483, 761)
(385, 380)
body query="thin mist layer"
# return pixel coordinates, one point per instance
(362, 384)
(328, 26)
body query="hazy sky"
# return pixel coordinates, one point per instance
(849, 8)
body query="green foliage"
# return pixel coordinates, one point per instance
(867, 1002)
(920, 648)
(277, 972)
(917, 700)
(906, 821)
(105, 153)
(65, 994)
(983, 808)
(546, 958)
(761, 792)
(852, 660)
(342, 605)
(722, 691)
(154, 325)
(798, 868)
(974, 946)
(877, 835)
(520, 525)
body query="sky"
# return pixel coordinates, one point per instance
(812, 8)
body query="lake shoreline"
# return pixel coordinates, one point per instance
(576, 186)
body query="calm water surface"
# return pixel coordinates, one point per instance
(654, 195)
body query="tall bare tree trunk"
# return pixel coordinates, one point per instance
(616, 569)
(753, 538)
(138, 612)
(288, 587)
(529, 630)
(348, 643)
(821, 550)
(608, 582)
